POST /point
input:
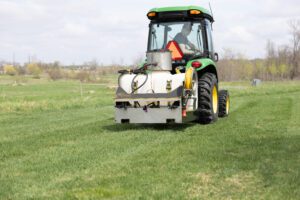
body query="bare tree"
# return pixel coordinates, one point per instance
(228, 54)
(270, 48)
(283, 57)
(295, 32)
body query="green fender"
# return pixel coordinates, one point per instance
(207, 63)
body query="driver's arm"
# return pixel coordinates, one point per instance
(185, 50)
(191, 45)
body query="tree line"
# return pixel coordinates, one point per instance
(87, 72)
(280, 63)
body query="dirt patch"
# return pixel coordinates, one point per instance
(237, 186)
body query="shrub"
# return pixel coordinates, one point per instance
(34, 69)
(55, 73)
(10, 70)
(83, 76)
(69, 74)
(21, 70)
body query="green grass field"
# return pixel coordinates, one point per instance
(60, 142)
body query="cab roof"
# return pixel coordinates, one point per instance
(183, 8)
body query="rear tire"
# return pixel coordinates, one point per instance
(224, 103)
(208, 98)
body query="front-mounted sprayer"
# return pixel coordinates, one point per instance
(178, 82)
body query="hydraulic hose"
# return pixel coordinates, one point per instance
(137, 72)
(133, 80)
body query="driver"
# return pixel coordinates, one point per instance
(181, 38)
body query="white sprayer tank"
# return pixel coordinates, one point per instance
(158, 79)
(156, 83)
(159, 75)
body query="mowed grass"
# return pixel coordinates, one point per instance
(58, 141)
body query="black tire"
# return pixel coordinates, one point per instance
(224, 103)
(207, 98)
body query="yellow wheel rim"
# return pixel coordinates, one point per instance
(215, 99)
(227, 105)
(188, 83)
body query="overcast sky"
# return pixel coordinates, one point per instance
(75, 31)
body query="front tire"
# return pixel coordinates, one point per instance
(224, 103)
(208, 107)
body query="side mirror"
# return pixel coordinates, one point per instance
(216, 57)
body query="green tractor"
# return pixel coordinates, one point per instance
(178, 82)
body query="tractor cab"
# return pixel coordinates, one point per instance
(185, 31)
